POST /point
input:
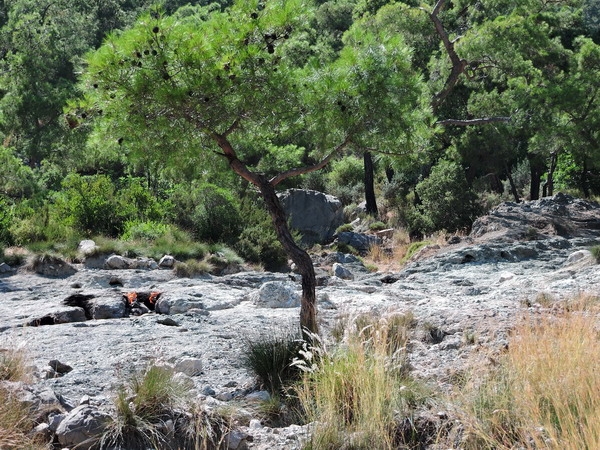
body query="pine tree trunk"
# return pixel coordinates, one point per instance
(308, 309)
(369, 184)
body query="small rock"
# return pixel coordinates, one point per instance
(82, 427)
(189, 366)
(255, 424)
(276, 294)
(167, 262)
(208, 391)
(342, 272)
(168, 322)
(236, 440)
(87, 247)
(117, 262)
(5, 268)
(258, 396)
(60, 367)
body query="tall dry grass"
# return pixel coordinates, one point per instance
(546, 391)
(356, 394)
(16, 420)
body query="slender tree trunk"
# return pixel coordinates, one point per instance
(389, 173)
(548, 189)
(585, 186)
(536, 169)
(369, 184)
(513, 187)
(308, 309)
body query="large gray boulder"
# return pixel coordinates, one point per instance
(314, 214)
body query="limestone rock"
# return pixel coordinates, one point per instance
(276, 294)
(82, 427)
(51, 266)
(361, 242)
(314, 214)
(117, 262)
(167, 262)
(189, 366)
(87, 247)
(342, 272)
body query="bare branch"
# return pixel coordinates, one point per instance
(307, 169)
(469, 122)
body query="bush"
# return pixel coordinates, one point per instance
(595, 250)
(209, 212)
(5, 222)
(346, 180)
(97, 205)
(258, 241)
(447, 202)
(146, 230)
(270, 358)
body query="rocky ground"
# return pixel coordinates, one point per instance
(465, 296)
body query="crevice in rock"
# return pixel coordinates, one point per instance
(82, 301)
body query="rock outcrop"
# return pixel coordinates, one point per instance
(314, 214)
(464, 297)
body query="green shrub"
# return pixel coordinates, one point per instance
(97, 205)
(346, 180)
(146, 230)
(377, 226)
(258, 241)
(270, 357)
(209, 212)
(447, 202)
(344, 228)
(5, 222)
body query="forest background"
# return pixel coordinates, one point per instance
(498, 100)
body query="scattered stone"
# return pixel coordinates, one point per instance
(236, 440)
(340, 271)
(59, 367)
(276, 294)
(87, 247)
(258, 396)
(82, 427)
(117, 262)
(189, 366)
(361, 242)
(5, 268)
(168, 322)
(167, 262)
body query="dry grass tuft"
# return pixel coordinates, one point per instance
(16, 420)
(546, 391)
(356, 395)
